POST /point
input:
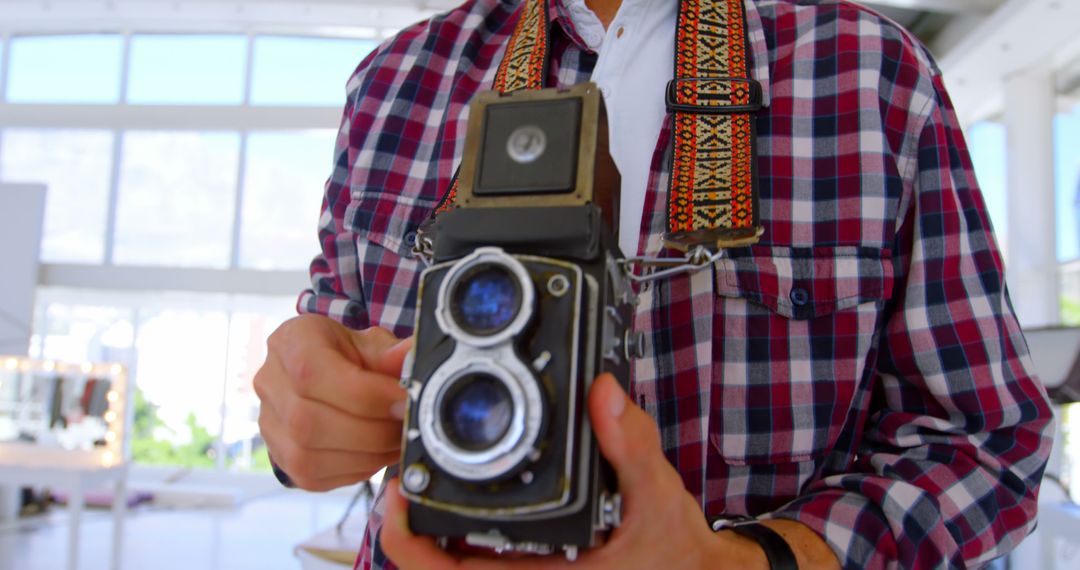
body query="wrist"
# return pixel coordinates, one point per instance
(738, 551)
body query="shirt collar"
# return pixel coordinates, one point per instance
(578, 29)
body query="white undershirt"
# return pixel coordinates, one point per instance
(636, 61)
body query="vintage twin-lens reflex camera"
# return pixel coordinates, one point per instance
(524, 304)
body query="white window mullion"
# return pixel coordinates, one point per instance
(219, 441)
(5, 64)
(241, 175)
(117, 158)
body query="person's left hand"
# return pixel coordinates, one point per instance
(662, 526)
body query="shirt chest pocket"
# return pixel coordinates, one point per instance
(385, 228)
(795, 331)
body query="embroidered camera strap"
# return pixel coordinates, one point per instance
(712, 200)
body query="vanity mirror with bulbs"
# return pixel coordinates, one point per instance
(55, 410)
(64, 426)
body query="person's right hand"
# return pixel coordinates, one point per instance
(331, 405)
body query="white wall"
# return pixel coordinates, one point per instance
(22, 212)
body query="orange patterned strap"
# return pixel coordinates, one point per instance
(525, 64)
(712, 200)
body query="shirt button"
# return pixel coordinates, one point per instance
(799, 297)
(410, 239)
(619, 32)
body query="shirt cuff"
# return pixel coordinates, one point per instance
(850, 524)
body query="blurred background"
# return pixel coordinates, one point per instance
(171, 155)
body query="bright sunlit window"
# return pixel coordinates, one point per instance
(986, 141)
(162, 199)
(277, 220)
(76, 166)
(1067, 159)
(187, 70)
(177, 198)
(304, 71)
(194, 356)
(65, 69)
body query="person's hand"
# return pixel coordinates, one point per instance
(331, 405)
(663, 526)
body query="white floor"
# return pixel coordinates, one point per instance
(260, 534)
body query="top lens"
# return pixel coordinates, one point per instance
(485, 300)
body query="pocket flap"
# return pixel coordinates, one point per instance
(805, 283)
(388, 220)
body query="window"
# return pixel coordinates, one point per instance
(283, 193)
(3, 70)
(1067, 159)
(177, 198)
(988, 153)
(304, 71)
(189, 70)
(191, 356)
(77, 167)
(166, 199)
(65, 69)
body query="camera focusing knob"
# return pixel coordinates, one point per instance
(634, 345)
(611, 510)
(416, 478)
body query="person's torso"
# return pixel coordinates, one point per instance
(759, 372)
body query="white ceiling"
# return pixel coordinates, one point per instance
(977, 42)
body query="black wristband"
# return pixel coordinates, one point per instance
(777, 550)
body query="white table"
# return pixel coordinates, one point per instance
(76, 472)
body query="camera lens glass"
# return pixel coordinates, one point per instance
(486, 300)
(476, 412)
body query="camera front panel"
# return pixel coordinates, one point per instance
(496, 387)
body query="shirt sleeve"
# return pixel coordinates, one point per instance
(949, 470)
(336, 288)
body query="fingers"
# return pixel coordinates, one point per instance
(314, 426)
(371, 345)
(408, 551)
(323, 375)
(314, 469)
(628, 437)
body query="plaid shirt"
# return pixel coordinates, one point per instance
(859, 371)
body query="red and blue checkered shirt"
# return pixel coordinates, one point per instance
(860, 371)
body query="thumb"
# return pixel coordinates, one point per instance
(628, 437)
(391, 359)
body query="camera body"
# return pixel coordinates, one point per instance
(525, 304)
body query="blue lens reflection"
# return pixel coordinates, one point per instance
(486, 301)
(477, 413)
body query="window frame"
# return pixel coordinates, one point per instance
(123, 117)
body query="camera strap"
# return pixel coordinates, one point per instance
(713, 192)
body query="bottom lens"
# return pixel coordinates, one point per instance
(476, 412)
